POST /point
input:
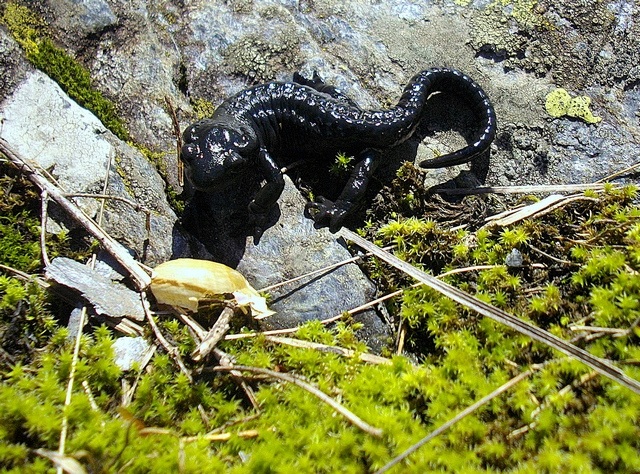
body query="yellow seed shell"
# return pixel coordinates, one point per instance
(184, 281)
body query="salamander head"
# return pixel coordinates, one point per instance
(215, 154)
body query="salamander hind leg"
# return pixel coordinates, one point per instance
(333, 214)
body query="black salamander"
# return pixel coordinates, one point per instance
(267, 126)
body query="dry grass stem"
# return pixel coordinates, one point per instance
(365, 357)
(171, 350)
(467, 411)
(44, 200)
(600, 365)
(545, 188)
(351, 417)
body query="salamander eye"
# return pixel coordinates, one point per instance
(190, 152)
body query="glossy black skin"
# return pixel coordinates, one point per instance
(267, 126)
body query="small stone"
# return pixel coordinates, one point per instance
(514, 259)
(129, 350)
(107, 297)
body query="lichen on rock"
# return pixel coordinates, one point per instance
(559, 103)
(260, 59)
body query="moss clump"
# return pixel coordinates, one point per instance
(591, 260)
(559, 104)
(561, 417)
(75, 80)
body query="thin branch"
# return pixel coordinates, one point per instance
(246, 434)
(538, 209)
(44, 200)
(227, 361)
(134, 205)
(24, 276)
(171, 350)
(599, 365)
(319, 271)
(72, 372)
(551, 257)
(467, 411)
(550, 188)
(351, 417)
(616, 331)
(119, 252)
(215, 334)
(365, 357)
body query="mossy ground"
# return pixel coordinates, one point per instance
(561, 417)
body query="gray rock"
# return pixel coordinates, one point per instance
(514, 259)
(13, 65)
(43, 124)
(107, 297)
(130, 350)
(84, 16)
(291, 247)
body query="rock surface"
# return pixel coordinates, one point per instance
(107, 297)
(289, 249)
(193, 55)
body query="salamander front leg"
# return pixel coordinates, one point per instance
(268, 194)
(325, 212)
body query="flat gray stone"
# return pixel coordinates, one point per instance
(291, 247)
(107, 297)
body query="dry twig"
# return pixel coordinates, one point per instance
(547, 188)
(599, 365)
(365, 357)
(467, 411)
(120, 253)
(351, 417)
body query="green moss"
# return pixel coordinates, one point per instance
(561, 416)
(598, 286)
(559, 104)
(342, 165)
(29, 31)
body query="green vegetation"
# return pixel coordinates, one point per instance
(342, 165)
(29, 31)
(561, 417)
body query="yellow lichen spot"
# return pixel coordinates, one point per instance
(579, 108)
(559, 104)
(184, 282)
(202, 108)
